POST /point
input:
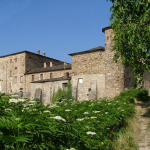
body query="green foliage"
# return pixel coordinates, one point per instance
(131, 25)
(62, 94)
(143, 95)
(64, 125)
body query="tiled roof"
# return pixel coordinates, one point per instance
(106, 28)
(99, 48)
(48, 69)
(30, 53)
(51, 80)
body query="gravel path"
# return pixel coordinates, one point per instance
(144, 121)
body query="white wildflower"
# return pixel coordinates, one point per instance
(91, 104)
(8, 109)
(93, 117)
(86, 113)
(80, 119)
(58, 118)
(106, 112)
(108, 128)
(109, 103)
(17, 119)
(32, 101)
(46, 111)
(96, 111)
(92, 133)
(122, 110)
(13, 101)
(67, 110)
(71, 149)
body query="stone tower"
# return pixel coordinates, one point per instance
(114, 72)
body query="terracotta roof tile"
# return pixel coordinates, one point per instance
(99, 48)
(48, 69)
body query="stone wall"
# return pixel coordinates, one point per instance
(44, 91)
(46, 75)
(146, 80)
(12, 68)
(114, 71)
(37, 61)
(91, 87)
(88, 63)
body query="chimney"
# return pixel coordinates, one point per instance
(51, 64)
(44, 54)
(38, 52)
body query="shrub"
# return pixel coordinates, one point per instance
(142, 95)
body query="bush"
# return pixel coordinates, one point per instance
(142, 95)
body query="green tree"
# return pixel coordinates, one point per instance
(130, 21)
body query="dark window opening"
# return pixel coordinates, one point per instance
(15, 59)
(32, 78)
(10, 73)
(51, 75)
(15, 68)
(10, 60)
(65, 85)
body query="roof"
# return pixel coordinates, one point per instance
(25, 51)
(99, 48)
(48, 69)
(51, 80)
(106, 28)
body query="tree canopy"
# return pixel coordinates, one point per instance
(130, 21)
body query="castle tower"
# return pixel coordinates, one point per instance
(114, 72)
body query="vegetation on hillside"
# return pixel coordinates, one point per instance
(67, 124)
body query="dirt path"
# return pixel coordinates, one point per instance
(144, 121)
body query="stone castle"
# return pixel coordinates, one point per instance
(92, 73)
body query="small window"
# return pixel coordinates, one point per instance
(15, 68)
(80, 80)
(65, 85)
(41, 76)
(10, 60)
(15, 59)
(21, 79)
(30, 57)
(9, 85)
(51, 75)
(15, 79)
(10, 73)
(32, 78)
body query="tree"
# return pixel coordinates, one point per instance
(131, 25)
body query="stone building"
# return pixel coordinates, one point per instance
(13, 68)
(92, 73)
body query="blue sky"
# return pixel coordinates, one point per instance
(56, 27)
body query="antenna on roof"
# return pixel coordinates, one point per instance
(64, 61)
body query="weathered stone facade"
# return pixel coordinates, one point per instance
(93, 73)
(13, 68)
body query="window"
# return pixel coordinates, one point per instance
(30, 58)
(21, 79)
(32, 78)
(15, 79)
(41, 76)
(10, 60)
(80, 80)
(51, 75)
(10, 73)
(15, 59)
(9, 85)
(65, 85)
(15, 68)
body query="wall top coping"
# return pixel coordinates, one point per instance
(99, 48)
(48, 69)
